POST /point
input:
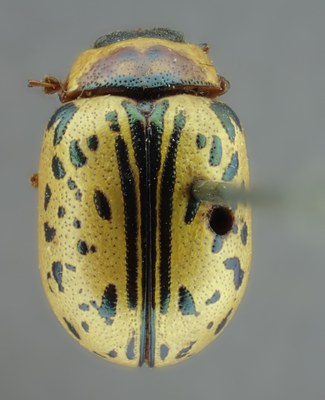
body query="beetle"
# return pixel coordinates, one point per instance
(136, 265)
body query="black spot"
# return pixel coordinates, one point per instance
(102, 205)
(130, 220)
(78, 195)
(210, 325)
(186, 304)
(72, 184)
(85, 326)
(221, 220)
(164, 350)
(222, 323)
(130, 349)
(82, 247)
(70, 267)
(49, 232)
(244, 234)
(76, 223)
(57, 271)
(166, 211)
(84, 307)
(61, 212)
(234, 264)
(112, 354)
(92, 249)
(184, 352)
(92, 142)
(72, 329)
(77, 157)
(214, 298)
(47, 196)
(57, 168)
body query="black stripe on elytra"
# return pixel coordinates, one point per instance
(140, 145)
(166, 210)
(146, 141)
(77, 157)
(130, 220)
(102, 205)
(64, 114)
(154, 132)
(191, 209)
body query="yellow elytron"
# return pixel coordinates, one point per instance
(136, 268)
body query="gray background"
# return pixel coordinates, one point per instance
(273, 54)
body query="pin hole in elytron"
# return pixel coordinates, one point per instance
(221, 220)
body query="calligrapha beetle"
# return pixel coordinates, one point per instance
(135, 267)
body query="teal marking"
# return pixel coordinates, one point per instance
(231, 170)
(186, 304)
(214, 298)
(201, 141)
(77, 157)
(217, 244)
(215, 151)
(234, 265)
(57, 168)
(92, 142)
(226, 115)
(64, 114)
(111, 118)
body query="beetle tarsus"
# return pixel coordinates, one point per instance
(34, 180)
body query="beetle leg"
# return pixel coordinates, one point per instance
(50, 84)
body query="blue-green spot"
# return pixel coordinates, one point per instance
(217, 244)
(226, 115)
(215, 151)
(64, 114)
(201, 141)
(77, 157)
(57, 168)
(186, 304)
(231, 170)
(234, 265)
